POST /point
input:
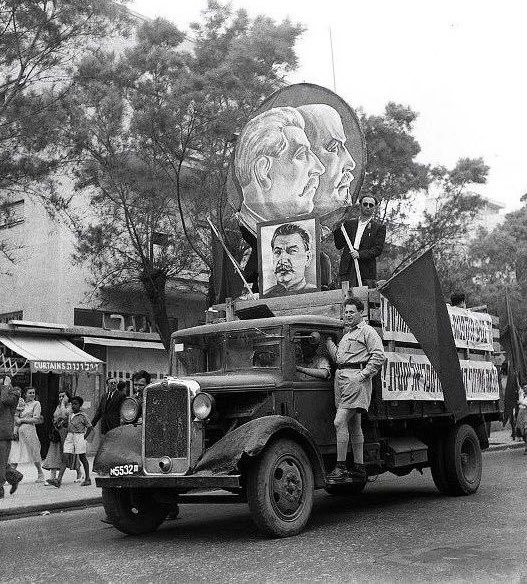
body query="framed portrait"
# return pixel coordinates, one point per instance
(289, 257)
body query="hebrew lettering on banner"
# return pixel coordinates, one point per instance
(412, 377)
(472, 330)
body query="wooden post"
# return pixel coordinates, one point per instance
(229, 309)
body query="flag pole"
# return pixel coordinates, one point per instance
(355, 260)
(332, 61)
(231, 258)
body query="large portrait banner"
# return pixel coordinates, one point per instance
(289, 257)
(303, 152)
(471, 330)
(412, 377)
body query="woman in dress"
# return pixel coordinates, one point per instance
(14, 453)
(60, 424)
(28, 441)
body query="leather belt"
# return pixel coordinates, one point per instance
(351, 365)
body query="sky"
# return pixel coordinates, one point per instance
(461, 64)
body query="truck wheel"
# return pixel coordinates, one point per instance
(462, 460)
(280, 489)
(346, 490)
(133, 511)
(437, 466)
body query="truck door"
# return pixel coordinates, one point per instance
(313, 399)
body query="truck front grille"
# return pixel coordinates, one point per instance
(166, 426)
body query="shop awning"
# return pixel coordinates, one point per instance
(122, 343)
(52, 354)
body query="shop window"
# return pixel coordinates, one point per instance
(85, 317)
(116, 321)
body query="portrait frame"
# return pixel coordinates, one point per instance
(266, 277)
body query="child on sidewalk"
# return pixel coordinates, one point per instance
(75, 442)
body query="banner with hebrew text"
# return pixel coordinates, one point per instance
(412, 377)
(471, 330)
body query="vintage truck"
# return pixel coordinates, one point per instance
(235, 417)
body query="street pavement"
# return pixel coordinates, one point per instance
(35, 498)
(399, 530)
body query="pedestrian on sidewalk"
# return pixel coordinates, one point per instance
(26, 420)
(9, 397)
(521, 420)
(109, 409)
(58, 434)
(78, 429)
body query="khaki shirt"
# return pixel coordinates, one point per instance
(361, 345)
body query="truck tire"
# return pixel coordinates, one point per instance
(437, 466)
(280, 489)
(462, 460)
(133, 511)
(350, 490)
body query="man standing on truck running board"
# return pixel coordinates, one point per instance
(359, 356)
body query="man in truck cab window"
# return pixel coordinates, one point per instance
(309, 364)
(359, 356)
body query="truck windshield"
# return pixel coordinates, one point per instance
(230, 351)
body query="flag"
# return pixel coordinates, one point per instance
(225, 280)
(517, 369)
(416, 294)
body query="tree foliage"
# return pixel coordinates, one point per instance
(152, 129)
(39, 41)
(498, 266)
(393, 173)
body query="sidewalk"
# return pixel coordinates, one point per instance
(501, 439)
(34, 498)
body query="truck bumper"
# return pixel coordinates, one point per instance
(183, 483)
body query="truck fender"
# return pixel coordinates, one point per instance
(231, 452)
(122, 445)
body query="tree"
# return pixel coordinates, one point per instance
(39, 41)
(152, 132)
(449, 215)
(498, 266)
(392, 172)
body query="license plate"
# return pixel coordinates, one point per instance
(122, 470)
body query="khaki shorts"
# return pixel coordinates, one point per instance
(74, 444)
(350, 391)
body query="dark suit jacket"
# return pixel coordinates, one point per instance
(370, 248)
(8, 402)
(109, 411)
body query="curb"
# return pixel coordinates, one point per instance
(501, 447)
(57, 506)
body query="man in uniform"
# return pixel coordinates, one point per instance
(359, 356)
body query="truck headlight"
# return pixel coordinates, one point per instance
(202, 405)
(130, 410)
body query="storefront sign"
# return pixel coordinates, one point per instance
(65, 367)
(412, 377)
(472, 330)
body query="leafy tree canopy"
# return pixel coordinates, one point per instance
(151, 130)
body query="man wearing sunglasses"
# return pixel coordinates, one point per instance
(367, 237)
